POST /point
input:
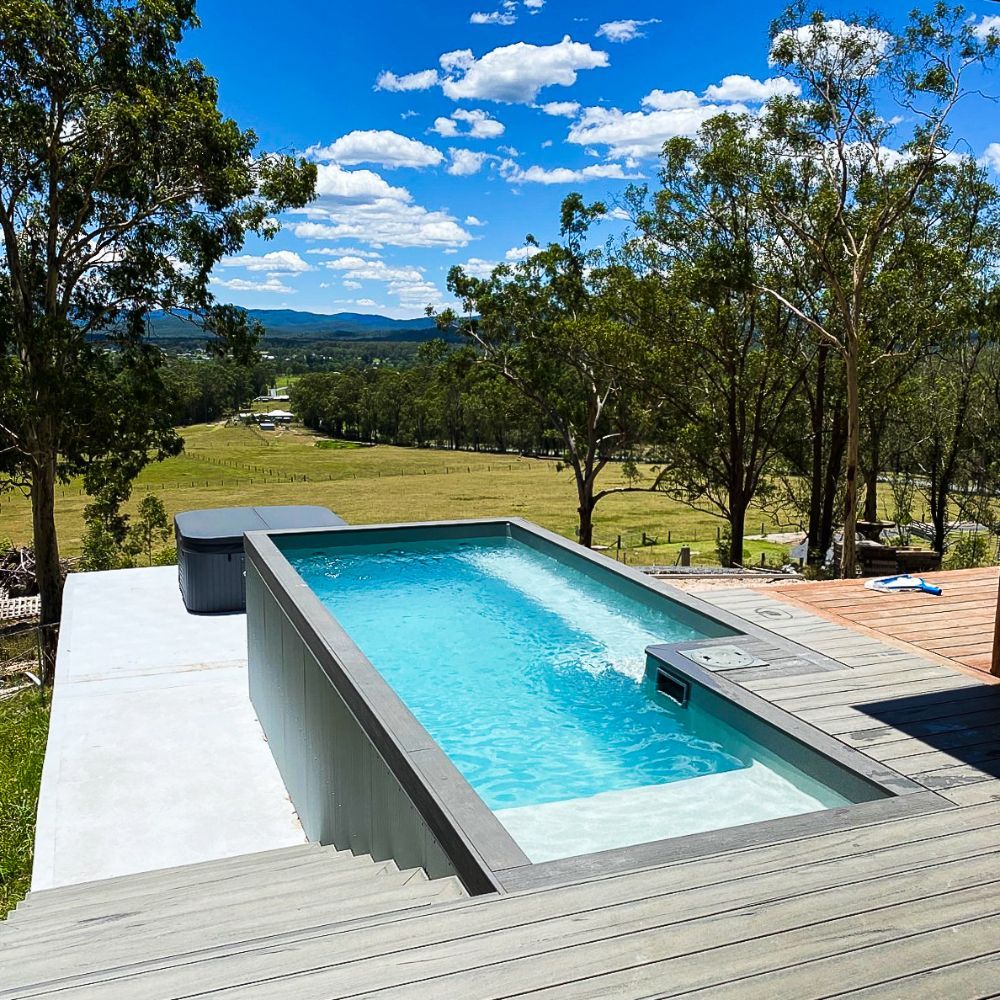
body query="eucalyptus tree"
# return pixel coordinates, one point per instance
(838, 167)
(567, 327)
(121, 185)
(733, 359)
(927, 296)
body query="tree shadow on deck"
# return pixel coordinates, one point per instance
(962, 723)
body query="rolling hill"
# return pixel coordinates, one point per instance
(289, 324)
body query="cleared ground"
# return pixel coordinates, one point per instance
(225, 466)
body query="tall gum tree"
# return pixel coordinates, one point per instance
(836, 173)
(569, 329)
(121, 185)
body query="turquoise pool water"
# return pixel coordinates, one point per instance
(531, 676)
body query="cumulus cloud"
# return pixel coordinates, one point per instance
(356, 269)
(270, 284)
(534, 5)
(422, 80)
(356, 185)
(564, 175)
(515, 254)
(389, 149)
(506, 14)
(624, 31)
(479, 124)
(988, 24)
(353, 285)
(275, 262)
(384, 222)
(563, 109)
(745, 88)
(476, 267)
(514, 74)
(342, 251)
(359, 205)
(665, 114)
(991, 157)
(854, 49)
(471, 220)
(465, 162)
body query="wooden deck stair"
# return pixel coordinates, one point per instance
(57, 935)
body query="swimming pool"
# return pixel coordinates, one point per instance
(526, 686)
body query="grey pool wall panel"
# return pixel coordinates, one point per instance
(365, 785)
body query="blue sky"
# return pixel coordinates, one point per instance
(445, 132)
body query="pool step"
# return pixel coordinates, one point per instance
(60, 933)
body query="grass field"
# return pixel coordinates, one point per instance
(234, 466)
(24, 724)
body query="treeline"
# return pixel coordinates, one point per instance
(805, 306)
(207, 389)
(444, 399)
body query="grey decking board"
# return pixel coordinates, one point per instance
(601, 933)
(755, 938)
(969, 979)
(909, 841)
(876, 969)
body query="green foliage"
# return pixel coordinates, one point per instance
(121, 185)
(148, 528)
(24, 723)
(99, 549)
(969, 551)
(167, 556)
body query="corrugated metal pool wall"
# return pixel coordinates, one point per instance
(343, 790)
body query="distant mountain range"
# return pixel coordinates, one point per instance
(289, 324)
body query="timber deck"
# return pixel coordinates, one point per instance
(956, 627)
(875, 904)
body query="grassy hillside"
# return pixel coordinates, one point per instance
(232, 466)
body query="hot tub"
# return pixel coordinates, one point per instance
(210, 560)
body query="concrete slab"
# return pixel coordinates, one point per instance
(155, 757)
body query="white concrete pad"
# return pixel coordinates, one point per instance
(155, 757)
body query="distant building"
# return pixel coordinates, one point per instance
(266, 425)
(279, 416)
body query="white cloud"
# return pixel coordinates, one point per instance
(671, 100)
(564, 175)
(624, 31)
(333, 181)
(389, 149)
(565, 109)
(514, 74)
(476, 267)
(417, 294)
(854, 49)
(356, 269)
(271, 284)
(422, 80)
(506, 14)
(546, 144)
(640, 133)
(534, 5)
(352, 285)
(275, 262)
(481, 125)
(515, 254)
(745, 88)
(383, 221)
(465, 162)
(988, 24)
(365, 302)
(344, 251)
(991, 157)
(471, 220)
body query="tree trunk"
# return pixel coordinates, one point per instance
(47, 569)
(838, 440)
(814, 542)
(737, 529)
(871, 494)
(586, 512)
(848, 562)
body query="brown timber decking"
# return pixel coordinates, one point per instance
(875, 905)
(956, 627)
